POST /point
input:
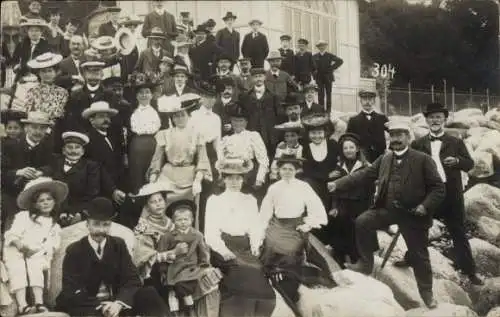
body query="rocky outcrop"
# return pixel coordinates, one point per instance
(495, 312)
(486, 256)
(487, 296)
(488, 229)
(444, 309)
(482, 200)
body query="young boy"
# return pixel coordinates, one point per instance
(290, 146)
(187, 263)
(11, 120)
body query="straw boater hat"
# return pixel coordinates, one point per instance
(153, 188)
(436, 107)
(316, 120)
(75, 137)
(173, 104)
(57, 188)
(274, 55)
(234, 166)
(104, 43)
(98, 107)
(253, 21)
(38, 117)
(321, 43)
(35, 22)
(130, 20)
(290, 127)
(45, 60)
(91, 58)
(100, 208)
(229, 15)
(397, 125)
(156, 33)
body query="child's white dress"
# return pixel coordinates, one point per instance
(41, 231)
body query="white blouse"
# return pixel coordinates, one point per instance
(145, 120)
(319, 151)
(207, 124)
(289, 200)
(233, 213)
(248, 145)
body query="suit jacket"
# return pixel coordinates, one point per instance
(229, 42)
(315, 108)
(111, 159)
(83, 180)
(83, 272)
(148, 62)
(454, 147)
(16, 154)
(247, 82)
(240, 86)
(173, 91)
(68, 69)
(288, 62)
(256, 49)
(107, 29)
(325, 65)
(282, 85)
(22, 53)
(165, 21)
(203, 57)
(220, 109)
(128, 62)
(371, 133)
(421, 184)
(304, 65)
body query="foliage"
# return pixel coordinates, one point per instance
(456, 40)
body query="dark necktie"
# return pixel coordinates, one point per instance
(99, 250)
(275, 76)
(436, 138)
(400, 157)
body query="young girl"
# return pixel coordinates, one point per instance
(347, 206)
(290, 145)
(152, 224)
(32, 240)
(188, 262)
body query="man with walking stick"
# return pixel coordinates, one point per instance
(409, 190)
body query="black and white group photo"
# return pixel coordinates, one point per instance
(250, 158)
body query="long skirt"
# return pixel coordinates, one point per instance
(245, 289)
(141, 151)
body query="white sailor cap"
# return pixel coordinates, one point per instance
(397, 125)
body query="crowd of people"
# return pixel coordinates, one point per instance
(221, 174)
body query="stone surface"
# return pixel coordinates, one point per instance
(482, 200)
(444, 309)
(483, 164)
(478, 131)
(495, 312)
(490, 142)
(486, 256)
(436, 230)
(488, 229)
(442, 267)
(486, 297)
(450, 292)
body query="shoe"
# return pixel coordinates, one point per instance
(40, 308)
(475, 280)
(27, 310)
(429, 301)
(173, 303)
(188, 300)
(401, 263)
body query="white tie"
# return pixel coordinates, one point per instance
(435, 149)
(109, 142)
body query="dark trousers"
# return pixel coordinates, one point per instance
(416, 238)
(245, 307)
(325, 88)
(184, 288)
(147, 302)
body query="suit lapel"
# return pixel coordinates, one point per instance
(426, 144)
(444, 145)
(407, 168)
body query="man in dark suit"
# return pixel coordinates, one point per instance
(309, 105)
(245, 65)
(163, 20)
(370, 126)
(107, 147)
(451, 157)
(111, 27)
(210, 26)
(149, 59)
(255, 45)
(98, 275)
(326, 64)
(69, 67)
(263, 110)
(409, 192)
(228, 39)
(224, 64)
(225, 87)
(305, 68)
(31, 46)
(203, 54)
(279, 81)
(180, 87)
(288, 62)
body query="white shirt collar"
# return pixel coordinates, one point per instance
(156, 50)
(185, 231)
(33, 43)
(102, 132)
(226, 73)
(93, 88)
(31, 143)
(260, 90)
(143, 107)
(399, 153)
(277, 72)
(437, 135)
(95, 245)
(179, 88)
(367, 112)
(323, 143)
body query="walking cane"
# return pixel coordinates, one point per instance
(390, 249)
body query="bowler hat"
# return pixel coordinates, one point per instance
(210, 23)
(202, 28)
(223, 82)
(100, 208)
(229, 15)
(224, 56)
(292, 99)
(436, 107)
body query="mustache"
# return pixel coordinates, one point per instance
(395, 143)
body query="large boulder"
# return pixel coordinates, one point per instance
(68, 236)
(458, 133)
(483, 164)
(488, 229)
(356, 295)
(442, 267)
(495, 312)
(487, 296)
(477, 131)
(436, 230)
(450, 292)
(445, 309)
(467, 118)
(486, 256)
(384, 240)
(482, 200)
(490, 142)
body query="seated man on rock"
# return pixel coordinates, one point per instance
(98, 276)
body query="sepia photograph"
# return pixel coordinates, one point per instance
(264, 158)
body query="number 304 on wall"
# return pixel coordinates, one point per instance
(383, 71)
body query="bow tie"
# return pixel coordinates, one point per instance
(436, 138)
(367, 114)
(400, 157)
(70, 163)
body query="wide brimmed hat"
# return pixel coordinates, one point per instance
(38, 117)
(45, 60)
(100, 208)
(316, 120)
(57, 188)
(75, 137)
(153, 188)
(436, 107)
(99, 107)
(113, 82)
(173, 104)
(236, 110)
(367, 94)
(12, 115)
(229, 15)
(139, 80)
(321, 43)
(285, 37)
(104, 43)
(303, 41)
(351, 137)
(253, 21)
(234, 166)
(103, 9)
(156, 33)
(274, 55)
(290, 158)
(35, 22)
(397, 125)
(210, 23)
(292, 126)
(130, 20)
